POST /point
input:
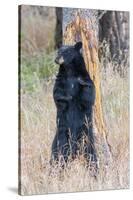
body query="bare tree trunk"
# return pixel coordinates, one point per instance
(81, 25)
(114, 29)
(58, 31)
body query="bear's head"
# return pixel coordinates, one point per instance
(71, 60)
(69, 55)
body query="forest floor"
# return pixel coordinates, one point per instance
(38, 128)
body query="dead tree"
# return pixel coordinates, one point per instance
(82, 25)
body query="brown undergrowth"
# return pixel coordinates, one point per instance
(38, 127)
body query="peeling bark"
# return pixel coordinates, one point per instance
(84, 27)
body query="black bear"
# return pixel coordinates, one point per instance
(74, 96)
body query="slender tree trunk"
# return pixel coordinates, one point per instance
(58, 31)
(81, 25)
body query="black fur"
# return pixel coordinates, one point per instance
(74, 96)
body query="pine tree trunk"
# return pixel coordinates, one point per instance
(81, 25)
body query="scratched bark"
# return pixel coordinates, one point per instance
(82, 25)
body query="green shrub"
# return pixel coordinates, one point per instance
(37, 69)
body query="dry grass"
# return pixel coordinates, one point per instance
(38, 115)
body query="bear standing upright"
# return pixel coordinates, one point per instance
(74, 96)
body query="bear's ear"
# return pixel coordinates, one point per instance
(78, 46)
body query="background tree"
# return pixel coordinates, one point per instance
(58, 30)
(114, 30)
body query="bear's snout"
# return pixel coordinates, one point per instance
(59, 60)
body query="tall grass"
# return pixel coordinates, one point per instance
(38, 116)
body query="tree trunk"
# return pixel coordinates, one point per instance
(81, 25)
(114, 29)
(58, 31)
